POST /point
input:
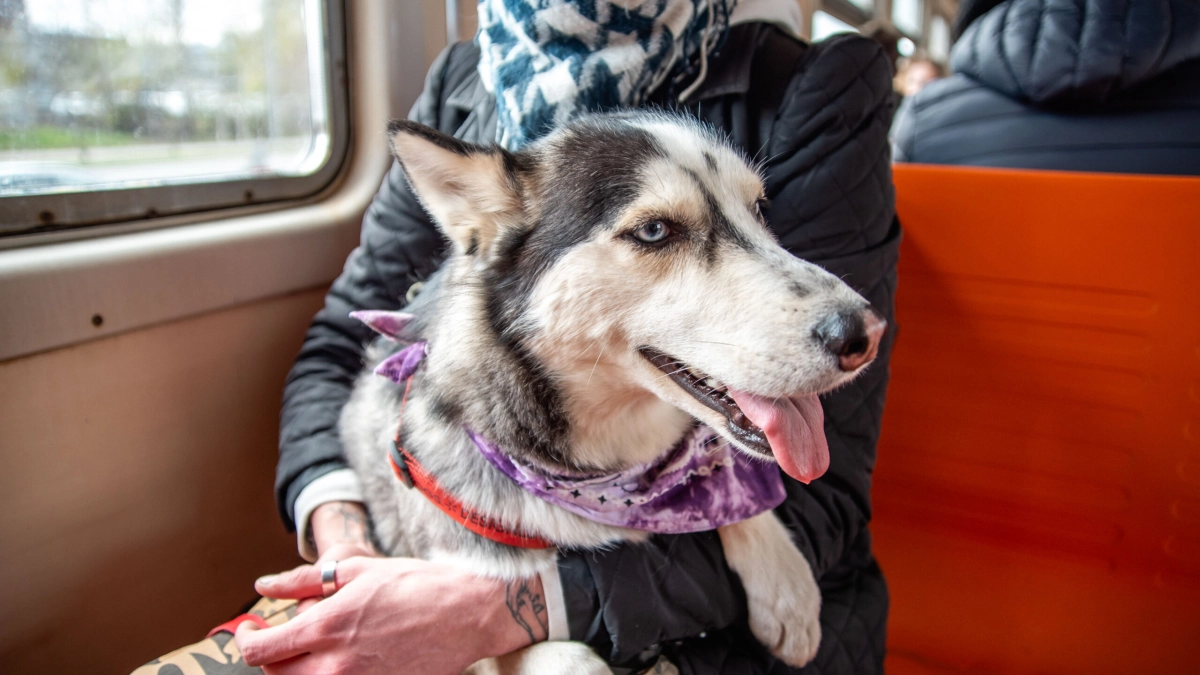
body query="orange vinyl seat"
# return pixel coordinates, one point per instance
(1037, 494)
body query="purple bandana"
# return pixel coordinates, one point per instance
(387, 324)
(700, 484)
(400, 366)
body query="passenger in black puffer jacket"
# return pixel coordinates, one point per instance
(817, 116)
(1071, 85)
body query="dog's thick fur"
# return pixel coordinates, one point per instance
(536, 325)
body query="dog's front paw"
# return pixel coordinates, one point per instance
(781, 594)
(786, 616)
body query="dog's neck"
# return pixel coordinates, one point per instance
(560, 406)
(614, 421)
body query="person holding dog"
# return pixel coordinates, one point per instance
(816, 116)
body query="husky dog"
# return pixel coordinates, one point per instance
(606, 289)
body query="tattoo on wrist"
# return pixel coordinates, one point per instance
(340, 523)
(528, 609)
(354, 522)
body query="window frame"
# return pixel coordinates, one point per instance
(844, 11)
(852, 27)
(54, 212)
(923, 13)
(850, 13)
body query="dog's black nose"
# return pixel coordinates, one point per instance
(852, 336)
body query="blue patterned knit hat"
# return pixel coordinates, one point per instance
(546, 61)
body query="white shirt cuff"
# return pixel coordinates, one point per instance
(336, 486)
(556, 604)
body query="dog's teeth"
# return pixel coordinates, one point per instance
(695, 373)
(710, 382)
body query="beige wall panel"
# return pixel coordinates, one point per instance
(135, 497)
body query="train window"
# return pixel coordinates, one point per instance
(906, 14)
(825, 24)
(939, 39)
(112, 110)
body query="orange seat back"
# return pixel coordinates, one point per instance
(1037, 494)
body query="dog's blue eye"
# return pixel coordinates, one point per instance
(652, 232)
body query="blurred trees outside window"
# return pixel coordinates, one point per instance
(119, 93)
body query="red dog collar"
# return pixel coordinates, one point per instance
(413, 475)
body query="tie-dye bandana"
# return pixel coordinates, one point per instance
(546, 61)
(700, 484)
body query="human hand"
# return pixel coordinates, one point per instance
(388, 612)
(339, 531)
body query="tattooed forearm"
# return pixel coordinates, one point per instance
(340, 523)
(528, 609)
(354, 521)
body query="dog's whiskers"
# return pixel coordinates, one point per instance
(661, 184)
(714, 342)
(718, 448)
(680, 369)
(589, 380)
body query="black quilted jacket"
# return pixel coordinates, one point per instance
(1071, 85)
(818, 115)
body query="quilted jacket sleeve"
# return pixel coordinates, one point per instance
(399, 246)
(833, 203)
(829, 180)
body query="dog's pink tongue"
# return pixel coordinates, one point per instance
(795, 428)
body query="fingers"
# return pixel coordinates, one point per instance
(306, 604)
(305, 580)
(302, 582)
(260, 646)
(301, 646)
(308, 664)
(291, 666)
(310, 632)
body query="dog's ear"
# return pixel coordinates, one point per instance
(471, 191)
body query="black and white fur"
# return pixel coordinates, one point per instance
(536, 323)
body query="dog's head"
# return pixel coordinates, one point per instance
(629, 256)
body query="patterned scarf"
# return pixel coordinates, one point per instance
(546, 61)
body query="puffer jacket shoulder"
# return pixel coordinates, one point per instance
(827, 165)
(1077, 85)
(1064, 52)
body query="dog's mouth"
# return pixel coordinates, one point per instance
(712, 394)
(789, 429)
